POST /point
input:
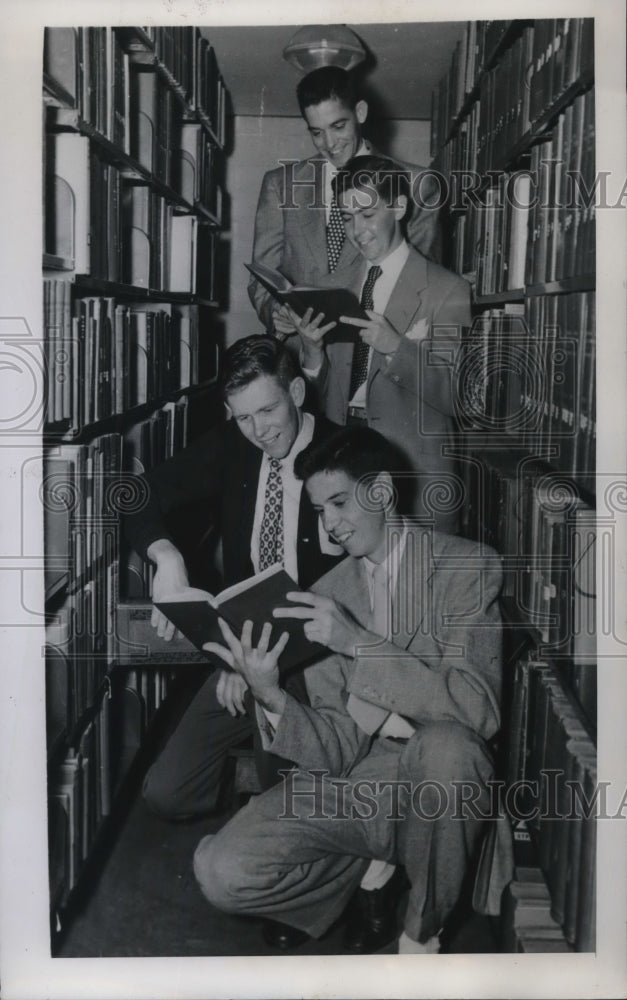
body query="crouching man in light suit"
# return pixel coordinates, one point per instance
(401, 709)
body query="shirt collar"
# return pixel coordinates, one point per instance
(391, 561)
(395, 261)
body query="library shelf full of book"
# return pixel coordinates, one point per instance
(134, 129)
(134, 135)
(513, 138)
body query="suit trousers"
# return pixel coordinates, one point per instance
(298, 852)
(186, 778)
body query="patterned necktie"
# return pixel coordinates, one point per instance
(362, 351)
(271, 534)
(335, 235)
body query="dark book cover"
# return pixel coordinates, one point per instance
(254, 599)
(333, 302)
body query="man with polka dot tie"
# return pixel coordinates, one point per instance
(298, 227)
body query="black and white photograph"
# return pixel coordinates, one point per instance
(313, 569)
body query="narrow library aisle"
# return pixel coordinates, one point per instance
(150, 176)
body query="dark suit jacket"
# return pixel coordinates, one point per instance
(222, 468)
(290, 229)
(410, 399)
(441, 663)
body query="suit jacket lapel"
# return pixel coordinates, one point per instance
(413, 592)
(312, 219)
(404, 303)
(251, 468)
(405, 300)
(357, 595)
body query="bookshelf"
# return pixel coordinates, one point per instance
(133, 142)
(513, 139)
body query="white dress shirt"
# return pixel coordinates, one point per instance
(292, 490)
(391, 268)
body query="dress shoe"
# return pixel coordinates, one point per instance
(371, 917)
(282, 936)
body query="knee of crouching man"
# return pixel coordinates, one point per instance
(216, 872)
(443, 751)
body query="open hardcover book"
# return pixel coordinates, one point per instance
(333, 302)
(195, 613)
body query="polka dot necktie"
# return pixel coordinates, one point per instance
(271, 534)
(335, 235)
(361, 353)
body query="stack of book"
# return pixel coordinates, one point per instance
(209, 92)
(195, 164)
(563, 54)
(79, 800)
(104, 357)
(498, 230)
(546, 535)
(80, 491)
(97, 70)
(561, 353)
(553, 753)
(504, 104)
(154, 123)
(562, 234)
(471, 56)
(146, 444)
(495, 374)
(545, 61)
(527, 371)
(134, 128)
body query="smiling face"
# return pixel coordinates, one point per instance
(335, 129)
(268, 414)
(372, 223)
(360, 532)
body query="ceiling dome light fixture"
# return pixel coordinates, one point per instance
(318, 45)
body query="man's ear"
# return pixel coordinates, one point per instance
(383, 489)
(361, 111)
(228, 410)
(297, 390)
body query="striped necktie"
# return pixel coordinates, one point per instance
(361, 353)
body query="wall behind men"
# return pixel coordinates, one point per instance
(257, 145)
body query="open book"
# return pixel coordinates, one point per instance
(333, 302)
(195, 613)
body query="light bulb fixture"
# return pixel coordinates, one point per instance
(318, 45)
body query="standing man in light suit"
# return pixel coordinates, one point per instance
(399, 377)
(400, 713)
(298, 230)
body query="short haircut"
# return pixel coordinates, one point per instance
(251, 357)
(325, 84)
(388, 178)
(357, 451)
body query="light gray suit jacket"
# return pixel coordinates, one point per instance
(290, 228)
(442, 662)
(411, 398)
